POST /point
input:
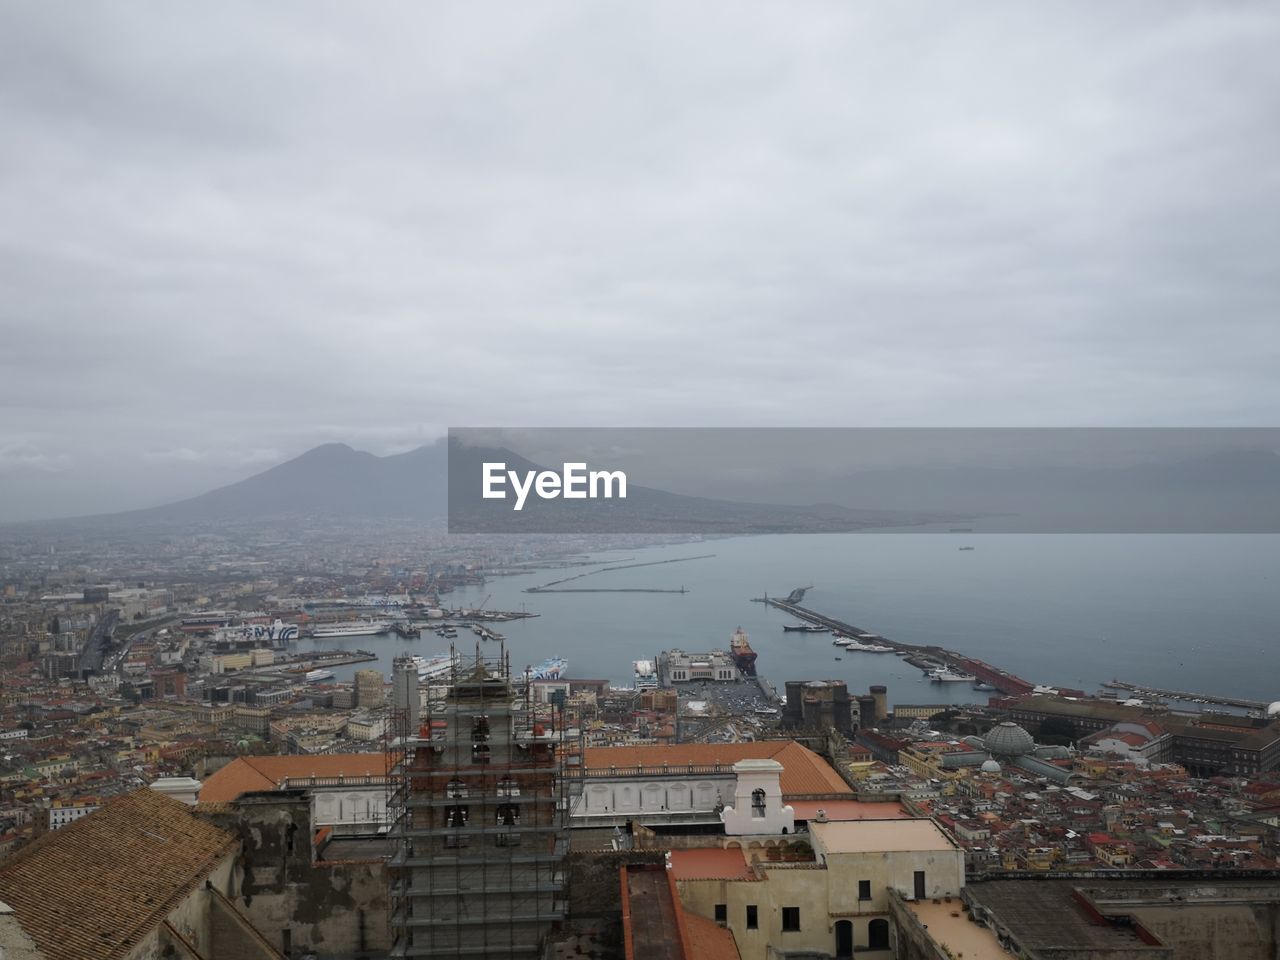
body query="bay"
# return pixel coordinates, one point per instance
(1184, 612)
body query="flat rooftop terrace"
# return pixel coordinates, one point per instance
(880, 836)
(949, 925)
(1046, 914)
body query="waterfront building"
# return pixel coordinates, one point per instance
(676, 666)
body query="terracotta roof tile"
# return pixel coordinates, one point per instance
(98, 886)
(252, 774)
(708, 940)
(711, 863)
(804, 772)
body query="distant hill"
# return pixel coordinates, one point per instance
(339, 483)
(1228, 491)
(332, 480)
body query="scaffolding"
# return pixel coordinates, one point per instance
(478, 810)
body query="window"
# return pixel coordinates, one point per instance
(722, 913)
(507, 787)
(456, 816)
(790, 919)
(456, 789)
(507, 815)
(480, 728)
(753, 918)
(757, 803)
(920, 890)
(864, 889)
(479, 753)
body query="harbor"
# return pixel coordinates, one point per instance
(953, 666)
(1139, 690)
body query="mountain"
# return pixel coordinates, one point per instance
(1227, 491)
(338, 483)
(332, 480)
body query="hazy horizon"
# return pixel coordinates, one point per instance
(223, 247)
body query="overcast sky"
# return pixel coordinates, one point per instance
(233, 231)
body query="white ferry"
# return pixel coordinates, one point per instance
(360, 628)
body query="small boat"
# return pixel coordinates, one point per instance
(835, 658)
(968, 548)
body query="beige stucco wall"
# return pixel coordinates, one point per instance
(825, 895)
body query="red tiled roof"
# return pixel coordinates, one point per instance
(804, 772)
(708, 940)
(98, 886)
(252, 774)
(710, 863)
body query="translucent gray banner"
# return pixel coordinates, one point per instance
(726, 481)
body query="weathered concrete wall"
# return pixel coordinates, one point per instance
(14, 942)
(331, 909)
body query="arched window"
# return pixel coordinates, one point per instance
(878, 934)
(757, 802)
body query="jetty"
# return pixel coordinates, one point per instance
(1002, 680)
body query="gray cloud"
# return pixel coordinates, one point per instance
(229, 229)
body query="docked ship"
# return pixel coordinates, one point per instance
(947, 675)
(646, 674)
(553, 668)
(862, 646)
(315, 676)
(277, 634)
(744, 658)
(803, 628)
(433, 669)
(359, 628)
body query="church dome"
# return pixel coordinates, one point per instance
(1007, 739)
(990, 765)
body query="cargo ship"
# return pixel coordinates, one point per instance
(744, 658)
